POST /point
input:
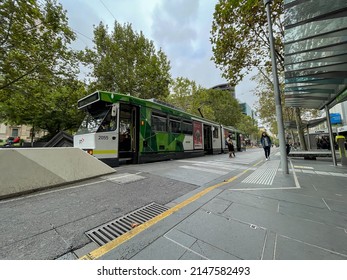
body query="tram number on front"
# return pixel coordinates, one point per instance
(103, 137)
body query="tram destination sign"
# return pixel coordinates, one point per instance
(88, 100)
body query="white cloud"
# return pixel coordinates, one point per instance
(180, 27)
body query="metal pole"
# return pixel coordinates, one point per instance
(331, 136)
(281, 136)
(308, 138)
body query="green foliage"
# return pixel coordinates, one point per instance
(33, 43)
(247, 125)
(54, 111)
(127, 62)
(182, 92)
(266, 102)
(216, 105)
(38, 83)
(240, 36)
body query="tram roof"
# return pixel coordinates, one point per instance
(112, 97)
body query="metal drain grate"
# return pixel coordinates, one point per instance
(111, 230)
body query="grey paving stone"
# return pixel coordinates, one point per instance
(328, 237)
(291, 197)
(324, 184)
(313, 213)
(217, 205)
(210, 252)
(161, 249)
(231, 236)
(180, 237)
(289, 249)
(67, 257)
(86, 249)
(188, 255)
(249, 198)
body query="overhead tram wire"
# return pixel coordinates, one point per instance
(107, 9)
(79, 37)
(82, 34)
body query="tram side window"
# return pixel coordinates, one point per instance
(159, 123)
(187, 128)
(215, 132)
(175, 126)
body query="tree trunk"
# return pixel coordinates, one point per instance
(32, 136)
(300, 129)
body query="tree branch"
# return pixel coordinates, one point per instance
(19, 78)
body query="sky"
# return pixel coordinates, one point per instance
(181, 28)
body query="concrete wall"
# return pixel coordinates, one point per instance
(23, 170)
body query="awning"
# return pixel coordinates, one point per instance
(307, 124)
(315, 53)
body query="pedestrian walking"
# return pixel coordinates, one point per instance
(265, 141)
(230, 146)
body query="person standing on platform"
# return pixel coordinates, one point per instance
(230, 146)
(265, 141)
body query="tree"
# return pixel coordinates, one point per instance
(127, 62)
(240, 36)
(37, 67)
(247, 125)
(33, 43)
(240, 43)
(55, 112)
(182, 90)
(216, 105)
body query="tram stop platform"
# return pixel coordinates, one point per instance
(259, 214)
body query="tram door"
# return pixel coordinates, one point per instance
(208, 139)
(128, 133)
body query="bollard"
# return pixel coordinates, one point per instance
(341, 143)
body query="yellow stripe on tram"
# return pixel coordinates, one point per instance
(104, 152)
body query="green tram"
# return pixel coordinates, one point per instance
(120, 128)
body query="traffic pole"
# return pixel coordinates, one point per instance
(280, 126)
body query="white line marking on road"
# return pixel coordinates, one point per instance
(294, 174)
(303, 167)
(338, 174)
(263, 189)
(262, 252)
(322, 173)
(204, 169)
(214, 166)
(315, 188)
(117, 177)
(275, 247)
(326, 204)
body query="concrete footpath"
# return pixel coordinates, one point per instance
(259, 214)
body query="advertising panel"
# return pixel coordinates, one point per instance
(197, 135)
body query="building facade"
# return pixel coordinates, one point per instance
(226, 87)
(22, 131)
